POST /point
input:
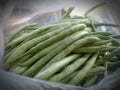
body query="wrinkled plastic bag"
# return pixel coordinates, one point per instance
(9, 81)
(18, 13)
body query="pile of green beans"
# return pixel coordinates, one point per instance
(69, 51)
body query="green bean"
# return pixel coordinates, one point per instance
(94, 71)
(115, 36)
(16, 64)
(63, 12)
(23, 48)
(63, 44)
(70, 68)
(105, 24)
(82, 73)
(93, 26)
(69, 49)
(92, 49)
(56, 67)
(91, 9)
(108, 56)
(33, 42)
(90, 82)
(102, 42)
(114, 59)
(40, 54)
(6, 56)
(19, 70)
(115, 41)
(43, 33)
(12, 34)
(34, 33)
(101, 33)
(102, 37)
(78, 17)
(56, 38)
(85, 21)
(67, 13)
(112, 64)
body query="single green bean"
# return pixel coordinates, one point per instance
(92, 49)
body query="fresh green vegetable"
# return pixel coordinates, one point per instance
(69, 49)
(82, 73)
(92, 49)
(12, 34)
(70, 68)
(108, 56)
(90, 82)
(63, 44)
(55, 67)
(58, 37)
(34, 33)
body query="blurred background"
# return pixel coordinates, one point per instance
(17, 12)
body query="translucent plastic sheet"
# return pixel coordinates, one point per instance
(18, 13)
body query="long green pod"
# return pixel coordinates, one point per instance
(30, 44)
(24, 47)
(93, 27)
(105, 24)
(102, 37)
(114, 59)
(56, 67)
(115, 36)
(34, 33)
(58, 37)
(73, 22)
(113, 64)
(67, 13)
(69, 49)
(7, 55)
(92, 49)
(105, 33)
(12, 34)
(16, 64)
(94, 71)
(102, 42)
(82, 73)
(19, 70)
(85, 21)
(25, 31)
(40, 54)
(108, 56)
(67, 79)
(70, 68)
(90, 82)
(43, 33)
(63, 44)
(92, 9)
